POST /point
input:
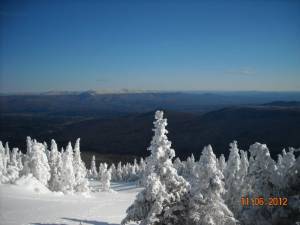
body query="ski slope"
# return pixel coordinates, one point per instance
(21, 205)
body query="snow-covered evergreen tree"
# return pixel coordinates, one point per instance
(288, 183)
(12, 170)
(67, 176)
(261, 170)
(244, 165)
(26, 158)
(164, 199)
(19, 161)
(113, 170)
(188, 168)
(232, 178)
(178, 165)
(119, 172)
(14, 157)
(94, 172)
(105, 177)
(29, 144)
(102, 169)
(206, 205)
(54, 182)
(46, 150)
(259, 181)
(132, 172)
(38, 163)
(3, 165)
(7, 153)
(284, 163)
(81, 183)
(222, 163)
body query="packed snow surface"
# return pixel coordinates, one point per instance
(29, 202)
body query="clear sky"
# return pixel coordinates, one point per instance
(150, 45)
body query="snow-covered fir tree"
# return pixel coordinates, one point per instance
(3, 164)
(105, 177)
(284, 163)
(14, 157)
(188, 168)
(19, 161)
(206, 204)
(119, 172)
(232, 178)
(113, 170)
(81, 182)
(67, 176)
(38, 163)
(164, 199)
(55, 168)
(222, 163)
(7, 152)
(178, 165)
(260, 181)
(26, 157)
(94, 172)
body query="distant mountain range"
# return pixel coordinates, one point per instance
(122, 123)
(91, 103)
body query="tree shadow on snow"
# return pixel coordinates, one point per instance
(124, 186)
(90, 222)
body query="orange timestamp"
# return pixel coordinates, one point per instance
(261, 201)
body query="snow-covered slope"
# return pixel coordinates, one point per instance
(23, 206)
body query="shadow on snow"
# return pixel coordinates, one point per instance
(90, 222)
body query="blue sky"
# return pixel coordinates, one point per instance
(150, 45)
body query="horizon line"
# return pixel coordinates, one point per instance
(136, 91)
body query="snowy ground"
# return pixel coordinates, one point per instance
(20, 207)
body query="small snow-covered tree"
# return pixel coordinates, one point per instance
(142, 166)
(81, 183)
(53, 155)
(7, 152)
(102, 169)
(29, 144)
(14, 157)
(232, 178)
(94, 172)
(206, 204)
(244, 165)
(54, 182)
(288, 183)
(261, 170)
(67, 176)
(26, 158)
(105, 177)
(284, 163)
(38, 163)
(188, 168)
(132, 172)
(46, 150)
(259, 181)
(3, 165)
(119, 172)
(126, 172)
(178, 165)
(222, 163)
(113, 170)
(19, 161)
(164, 199)
(12, 170)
